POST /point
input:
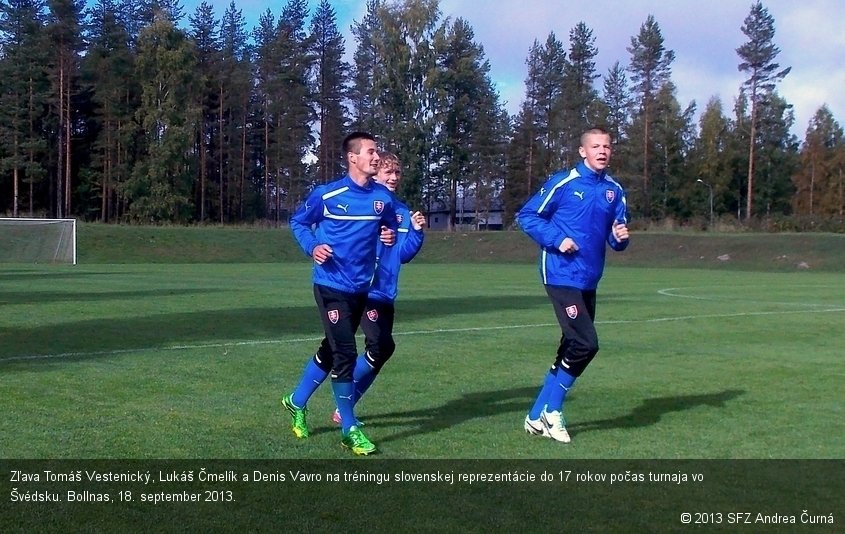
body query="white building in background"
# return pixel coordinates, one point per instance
(467, 217)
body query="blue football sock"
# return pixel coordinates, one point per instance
(311, 379)
(543, 395)
(343, 393)
(363, 375)
(558, 393)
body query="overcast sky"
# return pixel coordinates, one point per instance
(704, 35)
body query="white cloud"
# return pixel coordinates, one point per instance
(703, 35)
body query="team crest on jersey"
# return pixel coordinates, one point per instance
(334, 315)
(378, 205)
(572, 311)
(610, 194)
(372, 315)
(399, 218)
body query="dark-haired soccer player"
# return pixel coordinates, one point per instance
(572, 217)
(377, 322)
(339, 225)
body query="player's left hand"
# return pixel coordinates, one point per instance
(620, 231)
(387, 236)
(418, 221)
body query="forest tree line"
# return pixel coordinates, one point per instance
(131, 111)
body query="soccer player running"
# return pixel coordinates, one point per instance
(377, 322)
(571, 218)
(340, 226)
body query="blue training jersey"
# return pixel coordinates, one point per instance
(348, 218)
(583, 205)
(390, 259)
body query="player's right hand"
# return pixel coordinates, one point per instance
(387, 236)
(620, 231)
(418, 221)
(322, 253)
(568, 246)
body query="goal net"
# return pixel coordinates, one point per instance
(37, 240)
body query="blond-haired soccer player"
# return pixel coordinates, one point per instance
(573, 217)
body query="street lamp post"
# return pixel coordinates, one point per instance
(710, 189)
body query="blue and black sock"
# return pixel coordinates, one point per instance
(343, 393)
(543, 395)
(363, 375)
(558, 393)
(311, 379)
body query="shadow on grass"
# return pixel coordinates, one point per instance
(518, 400)
(98, 338)
(44, 297)
(652, 410)
(9, 275)
(416, 309)
(469, 406)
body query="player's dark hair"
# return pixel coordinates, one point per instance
(352, 142)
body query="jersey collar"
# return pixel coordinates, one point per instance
(587, 172)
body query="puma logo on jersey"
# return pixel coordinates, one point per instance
(344, 207)
(579, 194)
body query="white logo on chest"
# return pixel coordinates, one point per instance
(344, 207)
(579, 194)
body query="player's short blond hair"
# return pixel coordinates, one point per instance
(388, 160)
(595, 130)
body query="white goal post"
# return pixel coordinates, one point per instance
(37, 240)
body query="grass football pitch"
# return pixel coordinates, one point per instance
(189, 361)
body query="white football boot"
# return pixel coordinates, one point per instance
(535, 427)
(553, 426)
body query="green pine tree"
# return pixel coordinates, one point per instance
(64, 23)
(650, 70)
(23, 141)
(204, 34)
(108, 72)
(162, 182)
(330, 80)
(234, 112)
(758, 61)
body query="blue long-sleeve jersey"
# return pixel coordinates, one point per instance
(390, 259)
(580, 204)
(348, 218)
